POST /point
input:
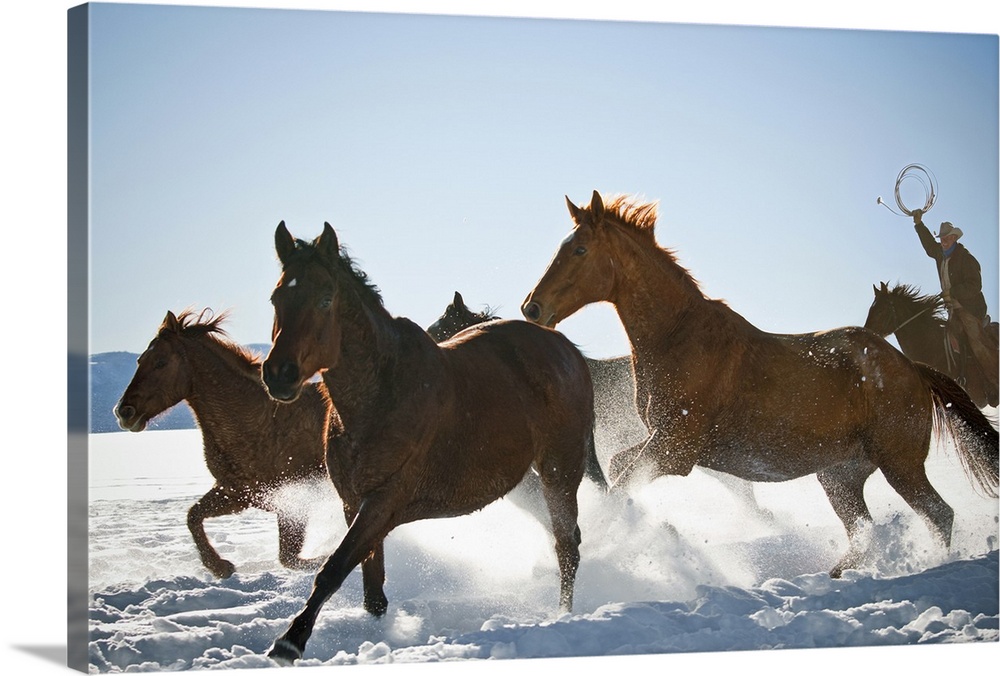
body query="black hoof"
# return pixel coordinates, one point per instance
(284, 652)
(377, 605)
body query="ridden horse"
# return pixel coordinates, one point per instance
(921, 328)
(421, 430)
(253, 445)
(717, 392)
(617, 424)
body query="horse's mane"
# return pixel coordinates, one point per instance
(633, 212)
(638, 216)
(487, 314)
(347, 265)
(207, 323)
(911, 294)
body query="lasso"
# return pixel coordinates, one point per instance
(926, 179)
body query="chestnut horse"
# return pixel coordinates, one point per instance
(422, 430)
(921, 328)
(717, 392)
(253, 446)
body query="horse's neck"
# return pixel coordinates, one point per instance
(920, 334)
(652, 296)
(367, 344)
(223, 390)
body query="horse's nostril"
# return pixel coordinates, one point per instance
(284, 373)
(532, 311)
(126, 412)
(288, 373)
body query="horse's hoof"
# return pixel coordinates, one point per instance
(222, 569)
(284, 652)
(377, 606)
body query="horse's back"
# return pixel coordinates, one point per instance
(531, 353)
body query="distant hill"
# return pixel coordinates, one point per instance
(110, 374)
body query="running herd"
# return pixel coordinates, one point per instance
(412, 424)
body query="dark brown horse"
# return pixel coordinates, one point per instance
(422, 430)
(457, 317)
(253, 446)
(715, 391)
(617, 424)
(921, 328)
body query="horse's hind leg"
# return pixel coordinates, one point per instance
(559, 486)
(291, 538)
(844, 485)
(564, 510)
(915, 488)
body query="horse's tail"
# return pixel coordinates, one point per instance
(593, 467)
(976, 439)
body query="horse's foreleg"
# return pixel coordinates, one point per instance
(624, 464)
(369, 528)
(214, 503)
(373, 571)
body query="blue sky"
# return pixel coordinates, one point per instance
(441, 148)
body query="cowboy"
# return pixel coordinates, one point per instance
(962, 291)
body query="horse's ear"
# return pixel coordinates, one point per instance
(875, 289)
(284, 244)
(327, 243)
(458, 302)
(575, 212)
(885, 287)
(170, 322)
(596, 207)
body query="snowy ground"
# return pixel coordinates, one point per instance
(678, 567)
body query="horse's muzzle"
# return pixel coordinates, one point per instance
(532, 311)
(129, 419)
(282, 380)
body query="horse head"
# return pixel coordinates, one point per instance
(162, 378)
(581, 272)
(306, 334)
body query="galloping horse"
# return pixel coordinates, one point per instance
(716, 391)
(253, 445)
(921, 329)
(421, 430)
(457, 317)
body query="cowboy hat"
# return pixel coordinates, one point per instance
(948, 229)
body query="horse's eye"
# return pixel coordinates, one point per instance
(580, 250)
(159, 363)
(326, 302)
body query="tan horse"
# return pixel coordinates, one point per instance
(253, 446)
(422, 430)
(717, 392)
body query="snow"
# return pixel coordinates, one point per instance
(678, 566)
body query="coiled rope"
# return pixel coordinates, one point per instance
(924, 176)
